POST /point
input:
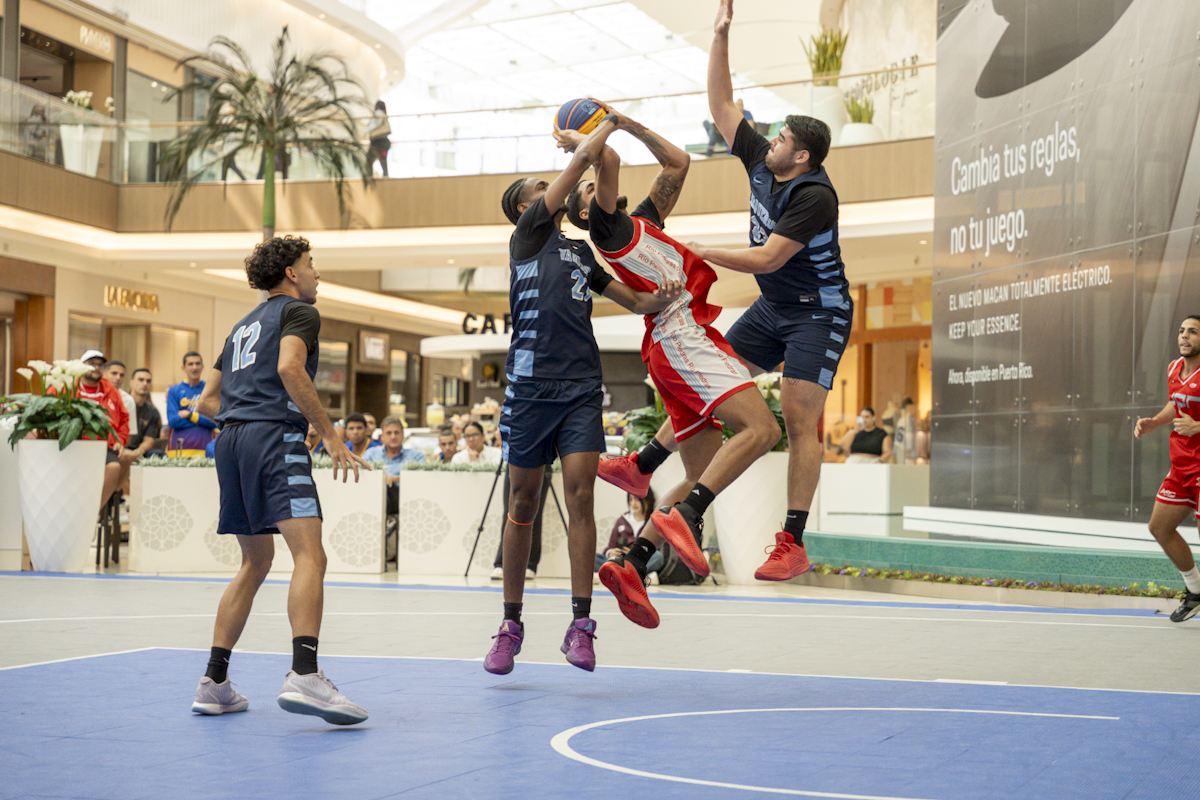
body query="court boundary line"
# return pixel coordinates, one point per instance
(563, 664)
(947, 606)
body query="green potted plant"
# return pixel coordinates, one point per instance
(825, 102)
(861, 129)
(60, 440)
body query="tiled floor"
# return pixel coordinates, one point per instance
(765, 690)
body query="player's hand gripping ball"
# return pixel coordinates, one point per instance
(580, 115)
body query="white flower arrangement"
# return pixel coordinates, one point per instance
(53, 409)
(83, 99)
(109, 106)
(768, 384)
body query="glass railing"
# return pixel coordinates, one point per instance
(40, 126)
(488, 141)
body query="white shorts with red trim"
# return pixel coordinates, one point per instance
(695, 370)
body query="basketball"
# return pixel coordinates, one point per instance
(580, 115)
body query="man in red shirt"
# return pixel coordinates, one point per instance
(94, 387)
(1180, 489)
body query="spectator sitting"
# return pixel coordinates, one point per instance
(114, 373)
(93, 386)
(476, 452)
(714, 135)
(356, 434)
(866, 441)
(190, 432)
(626, 529)
(394, 454)
(447, 444)
(373, 432)
(456, 425)
(149, 421)
(313, 440)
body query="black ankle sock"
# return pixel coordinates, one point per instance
(651, 456)
(699, 498)
(640, 552)
(581, 607)
(304, 655)
(796, 520)
(513, 611)
(218, 665)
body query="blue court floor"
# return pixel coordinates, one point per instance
(119, 726)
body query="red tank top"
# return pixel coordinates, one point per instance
(1185, 396)
(653, 258)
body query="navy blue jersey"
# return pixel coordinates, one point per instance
(251, 389)
(550, 299)
(803, 209)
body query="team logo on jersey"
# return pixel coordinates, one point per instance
(1166, 493)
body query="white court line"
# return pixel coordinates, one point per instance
(77, 658)
(877, 617)
(561, 745)
(638, 666)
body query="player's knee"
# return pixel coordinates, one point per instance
(767, 433)
(523, 507)
(580, 498)
(258, 565)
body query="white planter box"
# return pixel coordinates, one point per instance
(60, 500)
(873, 488)
(748, 515)
(10, 502)
(173, 523)
(81, 148)
(440, 514)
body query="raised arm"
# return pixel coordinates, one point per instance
(608, 172)
(585, 155)
(724, 111)
(664, 191)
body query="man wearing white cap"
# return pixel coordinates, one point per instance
(93, 386)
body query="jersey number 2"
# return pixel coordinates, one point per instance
(244, 339)
(580, 290)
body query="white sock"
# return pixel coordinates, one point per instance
(1191, 579)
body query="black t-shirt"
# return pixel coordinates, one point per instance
(149, 422)
(813, 208)
(534, 229)
(869, 443)
(613, 232)
(298, 319)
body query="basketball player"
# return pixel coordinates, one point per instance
(693, 367)
(263, 378)
(553, 400)
(803, 316)
(1180, 489)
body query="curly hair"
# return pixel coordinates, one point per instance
(511, 199)
(265, 267)
(575, 205)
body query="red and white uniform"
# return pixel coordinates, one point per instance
(690, 362)
(1182, 484)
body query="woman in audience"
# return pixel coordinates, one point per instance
(476, 451)
(867, 442)
(626, 529)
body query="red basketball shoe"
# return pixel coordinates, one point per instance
(682, 529)
(785, 561)
(623, 472)
(622, 577)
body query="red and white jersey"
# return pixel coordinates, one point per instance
(1185, 396)
(653, 258)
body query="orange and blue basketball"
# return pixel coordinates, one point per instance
(580, 115)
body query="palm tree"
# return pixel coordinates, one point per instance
(304, 104)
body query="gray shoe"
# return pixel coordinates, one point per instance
(218, 698)
(317, 696)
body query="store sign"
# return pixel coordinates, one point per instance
(98, 41)
(490, 376)
(471, 324)
(372, 348)
(131, 299)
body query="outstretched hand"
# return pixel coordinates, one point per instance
(724, 18)
(669, 291)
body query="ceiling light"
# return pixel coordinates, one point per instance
(449, 260)
(923, 242)
(193, 264)
(377, 46)
(320, 16)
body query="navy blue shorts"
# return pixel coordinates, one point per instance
(809, 342)
(265, 474)
(542, 420)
